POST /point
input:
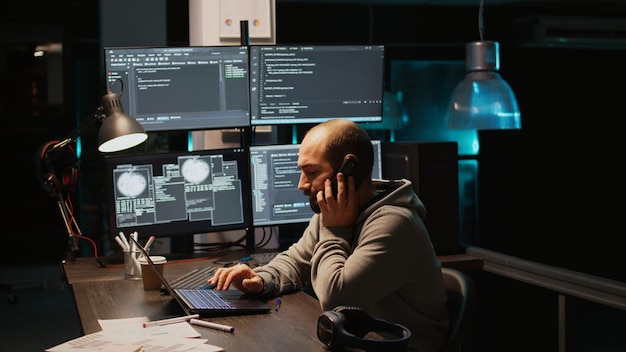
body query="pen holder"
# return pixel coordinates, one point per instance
(151, 281)
(132, 269)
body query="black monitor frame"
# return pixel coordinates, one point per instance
(185, 185)
(182, 88)
(309, 84)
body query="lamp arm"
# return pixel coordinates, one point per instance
(46, 159)
(97, 115)
(68, 220)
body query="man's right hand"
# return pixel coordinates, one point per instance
(343, 210)
(240, 275)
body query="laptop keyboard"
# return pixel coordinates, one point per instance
(263, 258)
(204, 299)
(196, 278)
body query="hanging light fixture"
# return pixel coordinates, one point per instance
(483, 100)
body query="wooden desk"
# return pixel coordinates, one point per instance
(102, 293)
(87, 269)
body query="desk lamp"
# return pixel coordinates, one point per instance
(483, 100)
(56, 161)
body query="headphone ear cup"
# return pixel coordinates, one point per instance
(57, 169)
(43, 174)
(342, 309)
(356, 320)
(347, 327)
(70, 178)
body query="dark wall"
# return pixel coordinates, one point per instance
(551, 192)
(33, 230)
(563, 193)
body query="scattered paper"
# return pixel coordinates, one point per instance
(129, 335)
(182, 329)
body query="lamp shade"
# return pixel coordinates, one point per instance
(118, 131)
(483, 100)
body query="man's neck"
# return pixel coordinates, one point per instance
(365, 194)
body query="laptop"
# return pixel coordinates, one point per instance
(208, 302)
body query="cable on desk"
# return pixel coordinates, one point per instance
(264, 241)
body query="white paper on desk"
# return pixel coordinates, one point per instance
(96, 342)
(103, 341)
(122, 325)
(166, 343)
(135, 326)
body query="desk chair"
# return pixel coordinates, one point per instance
(461, 304)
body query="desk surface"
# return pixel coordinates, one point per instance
(88, 269)
(102, 293)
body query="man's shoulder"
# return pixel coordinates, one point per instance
(398, 193)
(384, 185)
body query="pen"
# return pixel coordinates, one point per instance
(208, 324)
(148, 244)
(279, 301)
(136, 263)
(133, 246)
(170, 321)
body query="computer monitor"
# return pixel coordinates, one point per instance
(182, 88)
(276, 198)
(308, 84)
(179, 193)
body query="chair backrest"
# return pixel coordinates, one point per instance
(461, 294)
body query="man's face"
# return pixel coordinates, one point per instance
(315, 168)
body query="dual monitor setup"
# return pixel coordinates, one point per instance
(184, 193)
(223, 87)
(203, 88)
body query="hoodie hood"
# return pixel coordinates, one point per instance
(394, 192)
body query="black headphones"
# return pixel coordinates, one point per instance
(346, 327)
(57, 170)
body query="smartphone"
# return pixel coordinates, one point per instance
(350, 167)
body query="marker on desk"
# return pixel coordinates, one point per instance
(124, 240)
(208, 324)
(134, 251)
(170, 321)
(121, 243)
